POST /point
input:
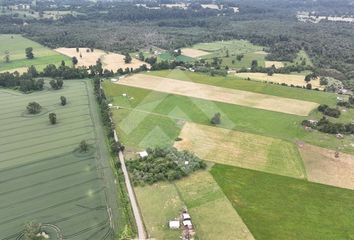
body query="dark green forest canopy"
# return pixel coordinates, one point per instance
(122, 26)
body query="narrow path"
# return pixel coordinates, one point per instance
(136, 211)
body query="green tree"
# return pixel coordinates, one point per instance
(31, 230)
(32, 71)
(29, 53)
(63, 100)
(7, 57)
(83, 147)
(127, 58)
(34, 108)
(56, 84)
(141, 56)
(216, 119)
(52, 118)
(74, 61)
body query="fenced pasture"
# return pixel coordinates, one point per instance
(43, 179)
(15, 45)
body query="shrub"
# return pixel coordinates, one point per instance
(216, 119)
(34, 108)
(332, 112)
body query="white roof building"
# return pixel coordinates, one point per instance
(143, 154)
(186, 216)
(174, 224)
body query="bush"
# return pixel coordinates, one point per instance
(332, 112)
(216, 119)
(34, 108)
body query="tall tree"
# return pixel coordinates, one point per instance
(52, 118)
(63, 100)
(29, 53)
(127, 58)
(34, 108)
(74, 61)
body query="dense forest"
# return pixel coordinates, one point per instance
(122, 26)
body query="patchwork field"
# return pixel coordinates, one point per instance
(15, 45)
(296, 80)
(212, 214)
(110, 61)
(277, 207)
(241, 149)
(220, 94)
(42, 178)
(276, 64)
(323, 167)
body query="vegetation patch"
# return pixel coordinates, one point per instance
(278, 207)
(163, 164)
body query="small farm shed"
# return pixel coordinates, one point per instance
(175, 224)
(143, 154)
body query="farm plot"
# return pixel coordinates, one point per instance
(241, 149)
(323, 167)
(42, 178)
(15, 46)
(277, 207)
(110, 61)
(212, 214)
(220, 94)
(276, 64)
(289, 79)
(193, 53)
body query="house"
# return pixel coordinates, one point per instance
(187, 223)
(143, 154)
(175, 224)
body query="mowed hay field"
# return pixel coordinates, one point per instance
(193, 53)
(42, 179)
(219, 94)
(323, 167)
(241, 149)
(289, 79)
(16, 45)
(211, 212)
(110, 61)
(277, 207)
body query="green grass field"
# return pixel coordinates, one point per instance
(276, 207)
(178, 108)
(42, 179)
(211, 212)
(16, 47)
(166, 56)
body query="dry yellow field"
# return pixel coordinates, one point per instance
(219, 94)
(110, 61)
(323, 167)
(193, 53)
(275, 63)
(241, 149)
(296, 80)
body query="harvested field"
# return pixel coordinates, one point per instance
(296, 80)
(110, 61)
(275, 63)
(193, 53)
(323, 167)
(241, 149)
(219, 94)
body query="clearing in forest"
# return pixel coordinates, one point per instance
(276, 64)
(43, 177)
(110, 61)
(289, 79)
(219, 94)
(241, 149)
(323, 166)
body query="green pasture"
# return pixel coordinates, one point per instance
(276, 207)
(178, 108)
(166, 56)
(42, 178)
(16, 45)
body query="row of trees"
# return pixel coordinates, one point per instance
(326, 126)
(326, 110)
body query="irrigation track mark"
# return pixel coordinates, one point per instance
(152, 113)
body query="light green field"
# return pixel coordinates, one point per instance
(16, 47)
(234, 47)
(168, 57)
(42, 179)
(244, 119)
(276, 207)
(212, 214)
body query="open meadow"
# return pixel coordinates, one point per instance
(15, 45)
(219, 94)
(43, 177)
(277, 207)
